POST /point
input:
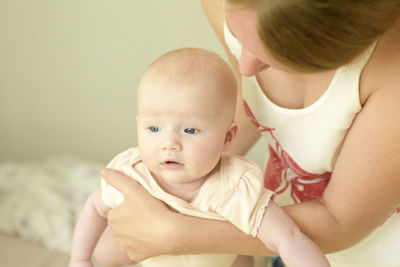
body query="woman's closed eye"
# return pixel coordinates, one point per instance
(191, 130)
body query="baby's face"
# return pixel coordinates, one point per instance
(181, 131)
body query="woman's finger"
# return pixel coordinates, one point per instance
(120, 181)
(139, 224)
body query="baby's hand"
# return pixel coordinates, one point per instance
(80, 264)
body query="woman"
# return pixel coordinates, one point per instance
(324, 94)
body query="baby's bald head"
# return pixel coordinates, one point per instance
(191, 75)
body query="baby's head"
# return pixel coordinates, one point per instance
(186, 106)
(190, 73)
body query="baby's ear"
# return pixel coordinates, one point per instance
(230, 136)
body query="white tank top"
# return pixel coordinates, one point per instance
(303, 145)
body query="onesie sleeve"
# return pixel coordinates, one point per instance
(109, 194)
(245, 201)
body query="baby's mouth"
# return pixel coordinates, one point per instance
(172, 164)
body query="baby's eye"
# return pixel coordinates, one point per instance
(154, 129)
(191, 130)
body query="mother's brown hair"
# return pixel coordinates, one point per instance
(319, 35)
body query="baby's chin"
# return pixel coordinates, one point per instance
(179, 178)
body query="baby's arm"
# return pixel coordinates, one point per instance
(280, 234)
(89, 227)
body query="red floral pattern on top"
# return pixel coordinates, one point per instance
(282, 172)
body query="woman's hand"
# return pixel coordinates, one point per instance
(141, 225)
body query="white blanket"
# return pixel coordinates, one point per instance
(40, 201)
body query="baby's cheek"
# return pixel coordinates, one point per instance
(207, 158)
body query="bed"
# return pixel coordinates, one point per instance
(16, 252)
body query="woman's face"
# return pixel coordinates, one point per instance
(242, 22)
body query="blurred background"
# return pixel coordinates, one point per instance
(69, 71)
(68, 77)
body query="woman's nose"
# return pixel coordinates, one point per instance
(250, 65)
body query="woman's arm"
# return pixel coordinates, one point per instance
(365, 185)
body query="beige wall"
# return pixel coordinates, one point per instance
(69, 69)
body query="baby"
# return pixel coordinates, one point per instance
(185, 123)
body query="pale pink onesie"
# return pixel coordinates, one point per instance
(233, 193)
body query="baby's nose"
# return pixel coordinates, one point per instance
(171, 143)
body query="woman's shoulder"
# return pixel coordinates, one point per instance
(383, 70)
(213, 7)
(214, 11)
